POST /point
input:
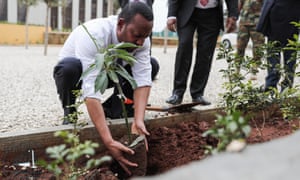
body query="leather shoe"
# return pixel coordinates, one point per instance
(174, 99)
(201, 100)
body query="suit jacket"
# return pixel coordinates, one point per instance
(124, 2)
(263, 25)
(183, 9)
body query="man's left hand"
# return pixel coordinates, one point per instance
(231, 24)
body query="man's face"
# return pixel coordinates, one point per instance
(136, 31)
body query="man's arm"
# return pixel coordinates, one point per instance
(233, 13)
(141, 95)
(115, 148)
(172, 13)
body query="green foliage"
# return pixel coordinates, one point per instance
(226, 129)
(28, 3)
(241, 94)
(66, 155)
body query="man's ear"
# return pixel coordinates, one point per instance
(121, 23)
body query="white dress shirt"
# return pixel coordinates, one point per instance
(144, 1)
(210, 4)
(80, 46)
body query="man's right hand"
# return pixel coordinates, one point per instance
(116, 149)
(172, 24)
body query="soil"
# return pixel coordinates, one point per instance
(171, 147)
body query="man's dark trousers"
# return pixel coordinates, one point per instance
(207, 24)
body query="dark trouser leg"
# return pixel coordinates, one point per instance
(273, 75)
(290, 59)
(66, 75)
(113, 107)
(183, 59)
(208, 28)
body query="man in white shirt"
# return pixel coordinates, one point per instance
(134, 25)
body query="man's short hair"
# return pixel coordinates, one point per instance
(134, 8)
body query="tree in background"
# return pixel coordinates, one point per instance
(27, 4)
(50, 4)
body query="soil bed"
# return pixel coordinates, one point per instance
(174, 146)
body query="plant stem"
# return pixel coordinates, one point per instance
(124, 111)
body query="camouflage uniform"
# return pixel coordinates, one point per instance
(249, 16)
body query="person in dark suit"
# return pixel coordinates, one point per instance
(275, 23)
(207, 19)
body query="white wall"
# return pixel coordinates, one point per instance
(37, 14)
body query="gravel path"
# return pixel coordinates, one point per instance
(28, 94)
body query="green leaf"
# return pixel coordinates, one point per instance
(137, 140)
(246, 130)
(118, 51)
(124, 45)
(232, 126)
(113, 76)
(101, 82)
(128, 58)
(99, 60)
(87, 71)
(122, 71)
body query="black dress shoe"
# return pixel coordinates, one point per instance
(174, 99)
(201, 100)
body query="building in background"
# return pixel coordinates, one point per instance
(67, 17)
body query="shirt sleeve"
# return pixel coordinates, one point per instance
(141, 70)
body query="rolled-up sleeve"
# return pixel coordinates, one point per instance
(141, 70)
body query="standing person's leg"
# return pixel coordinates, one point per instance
(273, 75)
(258, 40)
(289, 60)
(66, 75)
(183, 62)
(242, 42)
(208, 29)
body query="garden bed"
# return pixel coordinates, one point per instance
(175, 141)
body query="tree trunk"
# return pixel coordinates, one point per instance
(26, 28)
(46, 31)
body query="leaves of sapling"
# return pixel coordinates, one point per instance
(88, 71)
(113, 76)
(124, 45)
(122, 71)
(128, 58)
(101, 82)
(99, 61)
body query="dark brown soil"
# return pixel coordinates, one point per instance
(171, 147)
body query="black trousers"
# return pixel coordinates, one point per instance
(67, 74)
(207, 24)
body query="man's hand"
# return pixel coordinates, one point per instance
(139, 128)
(231, 24)
(171, 24)
(115, 149)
